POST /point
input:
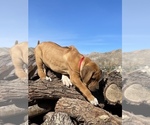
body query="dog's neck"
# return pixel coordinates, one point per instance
(80, 63)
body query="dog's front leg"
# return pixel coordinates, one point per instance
(41, 70)
(45, 71)
(85, 91)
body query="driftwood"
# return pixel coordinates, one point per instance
(85, 112)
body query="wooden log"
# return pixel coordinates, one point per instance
(39, 109)
(83, 111)
(58, 118)
(113, 88)
(15, 89)
(136, 89)
(11, 110)
(51, 90)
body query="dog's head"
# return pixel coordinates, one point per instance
(91, 76)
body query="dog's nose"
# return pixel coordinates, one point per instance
(97, 87)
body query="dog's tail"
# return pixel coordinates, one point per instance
(16, 42)
(38, 42)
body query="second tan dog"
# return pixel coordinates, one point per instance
(83, 72)
(19, 56)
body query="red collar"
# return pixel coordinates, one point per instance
(80, 62)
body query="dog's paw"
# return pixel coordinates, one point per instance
(66, 81)
(48, 78)
(94, 101)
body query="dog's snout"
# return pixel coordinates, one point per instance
(93, 87)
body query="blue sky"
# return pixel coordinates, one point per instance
(135, 25)
(91, 26)
(13, 21)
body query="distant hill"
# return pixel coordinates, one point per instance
(111, 60)
(129, 60)
(4, 51)
(108, 60)
(136, 59)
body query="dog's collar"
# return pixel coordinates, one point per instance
(80, 62)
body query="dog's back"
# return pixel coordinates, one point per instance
(47, 50)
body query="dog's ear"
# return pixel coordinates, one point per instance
(38, 42)
(86, 74)
(16, 42)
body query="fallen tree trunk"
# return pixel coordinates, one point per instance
(51, 90)
(85, 112)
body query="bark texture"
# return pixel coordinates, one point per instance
(83, 111)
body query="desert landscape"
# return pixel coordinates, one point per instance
(52, 103)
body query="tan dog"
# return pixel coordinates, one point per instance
(82, 71)
(19, 56)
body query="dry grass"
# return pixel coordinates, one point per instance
(107, 61)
